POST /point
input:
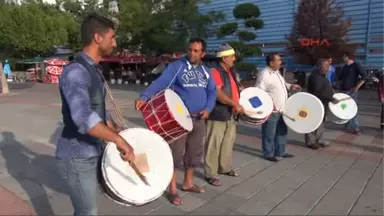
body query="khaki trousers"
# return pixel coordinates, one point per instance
(220, 140)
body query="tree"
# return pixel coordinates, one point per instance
(157, 27)
(321, 20)
(249, 14)
(31, 29)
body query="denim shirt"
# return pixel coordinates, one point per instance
(74, 84)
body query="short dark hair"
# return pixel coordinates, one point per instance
(271, 57)
(93, 24)
(199, 40)
(327, 57)
(348, 54)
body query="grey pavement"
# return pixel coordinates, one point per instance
(344, 179)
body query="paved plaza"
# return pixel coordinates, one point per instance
(343, 179)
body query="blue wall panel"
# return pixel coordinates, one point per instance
(278, 16)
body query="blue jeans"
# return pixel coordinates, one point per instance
(274, 135)
(354, 123)
(81, 178)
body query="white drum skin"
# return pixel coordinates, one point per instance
(343, 111)
(261, 98)
(122, 180)
(307, 111)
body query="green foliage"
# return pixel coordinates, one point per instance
(329, 24)
(249, 13)
(31, 29)
(157, 27)
(246, 11)
(246, 36)
(227, 29)
(244, 66)
(254, 23)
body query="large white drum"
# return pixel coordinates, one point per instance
(343, 111)
(303, 112)
(258, 105)
(121, 183)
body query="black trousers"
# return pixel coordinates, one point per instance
(382, 116)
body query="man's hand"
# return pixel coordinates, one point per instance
(139, 103)
(295, 87)
(381, 100)
(239, 109)
(335, 101)
(126, 151)
(204, 114)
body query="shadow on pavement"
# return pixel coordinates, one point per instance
(57, 133)
(137, 121)
(30, 170)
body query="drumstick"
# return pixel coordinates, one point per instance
(141, 176)
(289, 117)
(121, 119)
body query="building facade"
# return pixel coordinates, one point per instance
(278, 16)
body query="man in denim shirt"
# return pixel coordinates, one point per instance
(86, 122)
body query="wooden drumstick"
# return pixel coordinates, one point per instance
(122, 122)
(289, 117)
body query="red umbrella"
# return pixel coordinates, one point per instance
(56, 62)
(54, 70)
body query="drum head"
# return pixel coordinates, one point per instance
(178, 110)
(345, 109)
(257, 102)
(122, 180)
(307, 111)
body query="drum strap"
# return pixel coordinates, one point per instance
(117, 108)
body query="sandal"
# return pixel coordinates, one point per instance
(213, 181)
(194, 189)
(230, 173)
(175, 199)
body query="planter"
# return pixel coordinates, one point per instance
(119, 81)
(145, 83)
(137, 82)
(113, 81)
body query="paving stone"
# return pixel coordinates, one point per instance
(22, 187)
(168, 210)
(52, 204)
(271, 195)
(263, 178)
(308, 193)
(10, 204)
(371, 200)
(345, 192)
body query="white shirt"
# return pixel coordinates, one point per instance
(274, 84)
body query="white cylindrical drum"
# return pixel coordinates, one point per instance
(343, 111)
(303, 112)
(257, 104)
(119, 180)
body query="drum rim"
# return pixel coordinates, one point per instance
(321, 107)
(114, 191)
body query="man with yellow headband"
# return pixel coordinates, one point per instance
(221, 124)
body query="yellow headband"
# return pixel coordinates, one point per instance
(225, 53)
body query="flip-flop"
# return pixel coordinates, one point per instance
(230, 173)
(213, 181)
(194, 189)
(175, 199)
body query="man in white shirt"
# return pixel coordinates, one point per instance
(274, 130)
